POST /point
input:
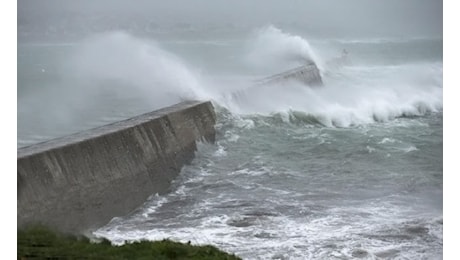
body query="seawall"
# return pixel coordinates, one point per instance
(80, 182)
(307, 74)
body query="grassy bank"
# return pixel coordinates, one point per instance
(42, 243)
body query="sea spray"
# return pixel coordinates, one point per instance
(350, 100)
(114, 75)
(273, 48)
(138, 66)
(356, 95)
(103, 78)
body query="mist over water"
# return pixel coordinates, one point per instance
(349, 170)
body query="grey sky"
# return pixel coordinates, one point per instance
(335, 17)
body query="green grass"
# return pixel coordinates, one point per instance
(42, 243)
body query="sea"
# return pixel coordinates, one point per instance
(352, 169)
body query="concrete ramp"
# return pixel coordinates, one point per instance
(82, 181)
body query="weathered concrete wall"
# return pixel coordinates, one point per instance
(81, 181)
(307, 74)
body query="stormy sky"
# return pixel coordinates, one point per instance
(325, 17)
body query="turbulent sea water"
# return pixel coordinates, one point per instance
(349, 170)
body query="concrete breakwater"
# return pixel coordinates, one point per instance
(308, 74)
(81, 181)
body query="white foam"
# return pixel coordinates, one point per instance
(339, 232)
(220, 151)
(410, 149)
(231, 137)
(366, 98)
(152, 207)
(387, 140)
(370, 149)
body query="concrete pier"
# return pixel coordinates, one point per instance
(80, 182)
